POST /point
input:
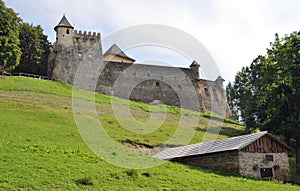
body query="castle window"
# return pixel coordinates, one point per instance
(68, 31)
(157, 83)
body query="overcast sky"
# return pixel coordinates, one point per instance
(233, 31)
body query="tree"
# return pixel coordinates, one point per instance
(10, 52)
(35, 50)
(280, 89)
(267, 94)
(243, 95)
(232, 101)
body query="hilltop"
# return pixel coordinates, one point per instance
(41, 148)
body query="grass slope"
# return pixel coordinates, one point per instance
(41, 149)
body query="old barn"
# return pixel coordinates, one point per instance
(258, 155)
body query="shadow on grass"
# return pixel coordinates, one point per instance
(226, 131)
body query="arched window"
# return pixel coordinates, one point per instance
(68, 31)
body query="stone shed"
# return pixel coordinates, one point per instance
(258, 155)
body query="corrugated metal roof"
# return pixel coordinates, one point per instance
(115, 50)
(64, 23)
(233, 143)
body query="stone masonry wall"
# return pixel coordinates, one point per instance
(250, 164)
(146, 83)
(214, 98)
(173, 86)
(225, 161)
(64, 60)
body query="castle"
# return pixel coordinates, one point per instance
(146, 83)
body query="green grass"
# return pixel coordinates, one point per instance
(41, 148)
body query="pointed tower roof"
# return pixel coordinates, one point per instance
(220, 79)
(115, 50)
(195, 63)
(64, 23)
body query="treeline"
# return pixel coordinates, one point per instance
(266, 94)
(24, 47)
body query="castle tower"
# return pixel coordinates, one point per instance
(195, 69)
(219, 82)
(72, 48)
(64, 32)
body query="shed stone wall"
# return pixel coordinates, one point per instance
(225, 161)
(251, 163)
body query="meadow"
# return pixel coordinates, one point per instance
(41, 147)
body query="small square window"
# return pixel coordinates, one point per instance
(269, 158)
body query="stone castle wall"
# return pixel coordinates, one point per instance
(64, 60)
(173, 86)
(146, 83)
(214, 97)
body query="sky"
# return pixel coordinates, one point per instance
(234, 32)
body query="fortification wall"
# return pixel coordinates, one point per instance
(64, 60)
(145, 83)
(214, 97)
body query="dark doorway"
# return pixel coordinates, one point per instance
(266, 173)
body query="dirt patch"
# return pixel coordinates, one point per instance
(144, 148)
(1, 77)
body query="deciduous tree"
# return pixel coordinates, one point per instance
(35, 50)
(10, 52)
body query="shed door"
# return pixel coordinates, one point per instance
(266, 173)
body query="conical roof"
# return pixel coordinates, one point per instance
(115, 50)
(195, 63)
(64, 23)
(220, 79)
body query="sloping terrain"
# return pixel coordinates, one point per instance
(41, 148)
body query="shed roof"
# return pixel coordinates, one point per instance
(64, 23)
(230, 144)
(115, 50)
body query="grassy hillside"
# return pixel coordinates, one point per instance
(41, 148)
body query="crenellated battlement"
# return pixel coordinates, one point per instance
(84, 36)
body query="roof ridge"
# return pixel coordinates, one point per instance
(232, 143)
